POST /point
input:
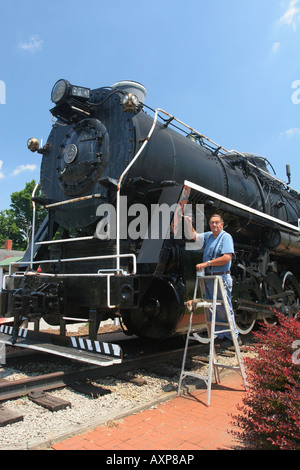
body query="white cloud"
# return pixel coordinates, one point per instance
(291, 132)
(1, 174)
(22, 168)
(32, 45)
(291, 15)
(275, 47)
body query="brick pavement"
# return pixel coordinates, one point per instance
(183, 423)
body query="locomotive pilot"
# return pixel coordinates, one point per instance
(218, 249)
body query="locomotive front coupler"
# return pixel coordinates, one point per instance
(18, 320)
(15, 304)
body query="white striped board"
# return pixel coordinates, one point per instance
(81, 349)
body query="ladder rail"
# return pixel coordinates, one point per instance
(185, 350)
(211, 332)
(233, 335)
(210, 310)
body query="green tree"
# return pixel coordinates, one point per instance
(16, 223)
(10, 231)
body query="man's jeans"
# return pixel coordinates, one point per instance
(220, 310)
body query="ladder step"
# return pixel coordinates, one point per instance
(225, 366)
(192, 374)
(206, 304)
(223, 331)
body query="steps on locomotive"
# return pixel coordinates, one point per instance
(72, 347)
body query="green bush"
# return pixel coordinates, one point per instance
(270, 414)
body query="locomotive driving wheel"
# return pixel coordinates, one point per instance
(158, 314)
(245, 318)
(291, 288)
(244, 327)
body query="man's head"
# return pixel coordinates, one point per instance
(216, 224)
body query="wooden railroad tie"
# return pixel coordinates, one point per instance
(8, 416)
(49, 401)
(89, 389)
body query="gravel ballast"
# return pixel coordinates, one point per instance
(41, 427)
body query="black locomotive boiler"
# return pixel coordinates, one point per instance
(107, 147)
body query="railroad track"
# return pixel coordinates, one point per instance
(137, 357)
(80, 380)
(10, 389)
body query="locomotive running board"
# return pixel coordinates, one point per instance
(238, 205)
(77, 348)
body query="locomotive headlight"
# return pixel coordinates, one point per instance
(125, 99)
(59, 91)
(63, 89)
(135, 100)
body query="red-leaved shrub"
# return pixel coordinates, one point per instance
(270, 416)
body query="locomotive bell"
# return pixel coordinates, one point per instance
(33, 144)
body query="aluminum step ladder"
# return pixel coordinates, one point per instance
(210, 318)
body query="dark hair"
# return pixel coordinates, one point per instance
(216, 215)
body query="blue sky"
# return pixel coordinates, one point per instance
(225, 67)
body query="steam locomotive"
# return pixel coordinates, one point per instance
(107, 148)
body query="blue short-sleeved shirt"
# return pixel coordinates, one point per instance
(216, 247)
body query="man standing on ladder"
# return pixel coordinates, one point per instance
(218, 251)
